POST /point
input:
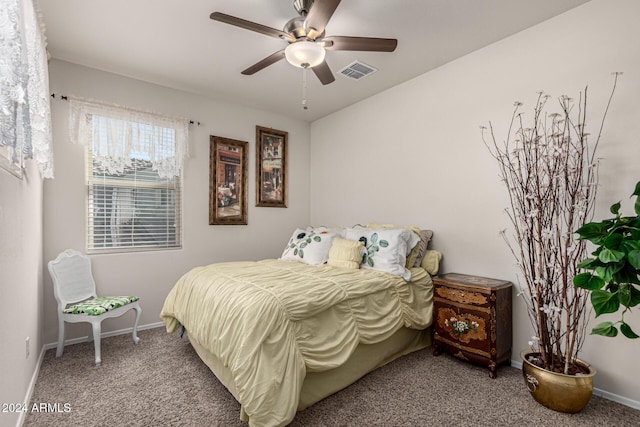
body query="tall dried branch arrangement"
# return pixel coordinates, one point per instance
(551, 173)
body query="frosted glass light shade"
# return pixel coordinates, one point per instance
(304, 54)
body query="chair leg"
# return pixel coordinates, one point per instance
(60, 348)
(138, 310)
(96, 341)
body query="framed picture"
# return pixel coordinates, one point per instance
(271, 167)
(227, 181)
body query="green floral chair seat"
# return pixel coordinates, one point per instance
(100, 305)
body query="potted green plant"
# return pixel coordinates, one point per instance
(548, 163)
(613, 275)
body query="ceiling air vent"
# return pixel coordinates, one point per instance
(357, 70)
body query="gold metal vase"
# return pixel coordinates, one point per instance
(560, 392)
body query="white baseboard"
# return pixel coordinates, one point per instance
(598, 392)
(32, 385)
(617, 398)
(36, 372)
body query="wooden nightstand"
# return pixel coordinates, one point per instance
(472, 317)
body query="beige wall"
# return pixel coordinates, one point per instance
(151, 275)
(20, 284)
(414, 154)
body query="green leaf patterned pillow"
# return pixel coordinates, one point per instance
(386, 249)
(100, 305)
(310, 246)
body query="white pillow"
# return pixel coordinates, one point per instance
(386, 249)
(310, 246)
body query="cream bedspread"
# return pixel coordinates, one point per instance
(272, 321)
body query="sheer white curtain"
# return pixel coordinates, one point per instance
(119, 134)
(25, 112)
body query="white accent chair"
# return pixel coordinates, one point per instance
(75, 292)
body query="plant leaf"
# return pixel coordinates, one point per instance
(634, 258)
(634, 296)
(374, 237)
(605, 302)
(636, 192)
(630, 245)
(592, 230)
(384, 243)
(588, 281)
(588, 263)
(624, 294)
(610, 255)
(605, 329)
(606, 272)
(627, 331)
(613, 241)
(615, 208)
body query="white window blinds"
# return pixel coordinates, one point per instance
(134, 167)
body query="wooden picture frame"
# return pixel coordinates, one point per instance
(271, 167)
(228, 181)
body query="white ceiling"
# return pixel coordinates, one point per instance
(174, 43)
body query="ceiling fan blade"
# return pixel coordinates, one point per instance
(323, 73)
(271, 59)
(320, 13)
(372, 44)
(248, 25)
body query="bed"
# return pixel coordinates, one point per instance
(282, 334)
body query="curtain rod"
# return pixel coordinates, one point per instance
(66, 98)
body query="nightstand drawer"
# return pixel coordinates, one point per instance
(463, 296)
(468, 328)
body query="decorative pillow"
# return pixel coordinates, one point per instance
(99, 305)
(425, 238)
(414, 257)
(386, 249)
(346, 253)
(431, 262)
(310, 246)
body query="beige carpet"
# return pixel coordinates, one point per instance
(162, 382)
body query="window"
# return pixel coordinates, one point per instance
(133, 177)
(135, 209)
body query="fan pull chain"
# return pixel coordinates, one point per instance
(304, 88)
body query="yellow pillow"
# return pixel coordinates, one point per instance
(431, 261)
(345, 253)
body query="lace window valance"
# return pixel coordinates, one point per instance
(118, 135)
(25, 112)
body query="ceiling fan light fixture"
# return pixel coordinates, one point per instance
(305, 54)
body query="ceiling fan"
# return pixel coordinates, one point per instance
(306, 37)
